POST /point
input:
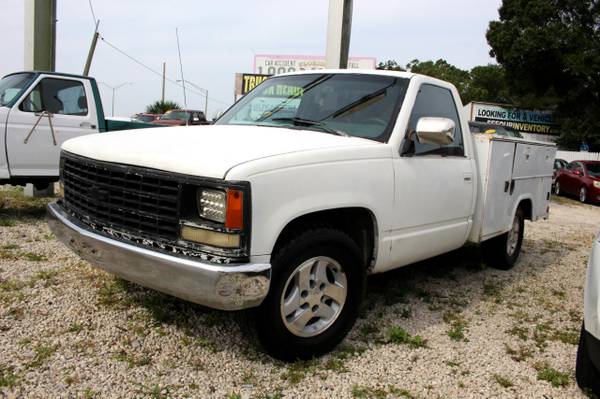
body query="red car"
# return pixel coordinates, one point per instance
(580, 178)
(181, 117)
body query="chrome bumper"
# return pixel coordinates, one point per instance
(227, 287)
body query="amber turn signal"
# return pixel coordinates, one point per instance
(235, 209)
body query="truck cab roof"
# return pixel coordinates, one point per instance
(66, 75)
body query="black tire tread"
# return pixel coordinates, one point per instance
(284, 346)
(586, 374)
(494, 249)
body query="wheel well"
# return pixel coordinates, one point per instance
(358, 223)
(525, 205)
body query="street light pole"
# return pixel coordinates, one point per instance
(203, 90)
(113, 94)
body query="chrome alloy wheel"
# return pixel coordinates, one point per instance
(513, 237)
(314, 296)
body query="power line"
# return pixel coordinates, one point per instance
(92, 10)
(157, 73)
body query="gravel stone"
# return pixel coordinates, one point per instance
(68, 330)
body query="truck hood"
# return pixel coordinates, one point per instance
(208, 151)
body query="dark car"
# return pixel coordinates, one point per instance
(482, 127)
(558, 165)
(146, 117)
(182, 117)
(580, 178)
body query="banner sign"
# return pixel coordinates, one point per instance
(251, 80)
(275, 64)
(523, 120)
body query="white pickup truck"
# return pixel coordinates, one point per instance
(38, 112)
(305, 186)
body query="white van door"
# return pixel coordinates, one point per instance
(54, 110)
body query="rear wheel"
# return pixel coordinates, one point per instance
(583, 194)
(586, 374)
(317, 286)
(502, 252)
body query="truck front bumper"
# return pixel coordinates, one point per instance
(226, 287)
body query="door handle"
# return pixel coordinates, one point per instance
(86, 124)
(467, 177)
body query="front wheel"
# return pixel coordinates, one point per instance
(317, 287)
(502, 252)
(583, 194)
(557, 187)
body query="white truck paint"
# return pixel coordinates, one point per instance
(587, 369)
(477, 189)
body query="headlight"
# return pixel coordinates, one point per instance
(597, 184)
(212, 204)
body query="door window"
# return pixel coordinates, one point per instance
(433, 101)
(57, 96)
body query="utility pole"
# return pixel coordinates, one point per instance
(162, 97)
(203, 90)
(88, 62)
(338, 33)
(40, 35)
(39, 48)
(114, 89)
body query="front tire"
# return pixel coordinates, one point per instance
(557, 187)
(583, 194)
(586, 374)
(502, 252)
(317, 286)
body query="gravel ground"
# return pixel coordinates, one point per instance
(448, 327)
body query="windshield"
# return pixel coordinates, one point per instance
(11, 87)
(593, 169)
(174, 115)
(357, 105)
(144, 118)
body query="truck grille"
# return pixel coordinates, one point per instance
(121, 199)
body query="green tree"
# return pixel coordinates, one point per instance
(443, 70)
(390, 65)
(550, 50)
(160, 107)
(482, 83)
(488, 83)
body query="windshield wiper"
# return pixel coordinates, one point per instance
(310, 123)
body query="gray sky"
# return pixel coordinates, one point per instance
(220, 38)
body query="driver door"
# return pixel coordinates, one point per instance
(435, 185)
(53, 111)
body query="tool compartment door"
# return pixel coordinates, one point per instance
(498, 199)
(532, 175)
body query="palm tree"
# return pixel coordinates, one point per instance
(160, 107)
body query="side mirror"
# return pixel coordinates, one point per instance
(437, 131)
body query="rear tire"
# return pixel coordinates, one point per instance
(586, 374)
(502, 252)
(557, 188)
(298, 320)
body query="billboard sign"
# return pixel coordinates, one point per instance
(523, 120)
(272, 64)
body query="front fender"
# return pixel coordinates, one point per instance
(280, 196)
